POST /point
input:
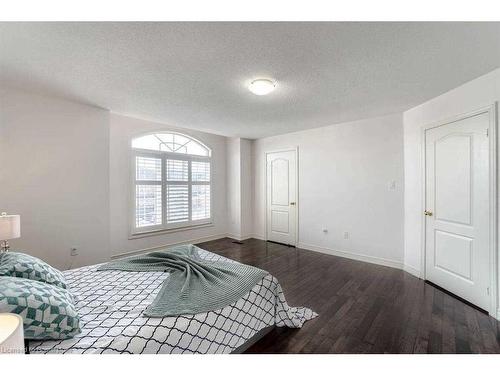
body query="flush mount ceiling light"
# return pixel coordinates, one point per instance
(262, 86)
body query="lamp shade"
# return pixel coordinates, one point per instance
(10, 226)
(11, 334)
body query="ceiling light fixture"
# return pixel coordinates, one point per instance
(262, 86)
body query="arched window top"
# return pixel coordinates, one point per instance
(171, 142)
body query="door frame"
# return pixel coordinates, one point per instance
(297, 204)
(491, 110)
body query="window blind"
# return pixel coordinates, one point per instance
(200, 171)
(171, 191)
(148, 169)
(177, 170)
(148, 205)
(148, 191)
(177, 203)
(200, 199)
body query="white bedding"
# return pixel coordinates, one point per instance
(111, 303)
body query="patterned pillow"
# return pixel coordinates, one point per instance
(48, 311)
(28, 267)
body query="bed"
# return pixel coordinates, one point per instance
(111, 305)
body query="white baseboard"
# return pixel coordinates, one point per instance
(257, 237)
(349, 255)
(193, 241)
(237, 237)
(412, 271)
(245, 237)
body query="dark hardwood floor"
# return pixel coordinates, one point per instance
(362, 307)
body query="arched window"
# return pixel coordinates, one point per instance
(172, 182)
(171, 142)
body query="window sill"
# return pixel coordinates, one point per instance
(159, 232)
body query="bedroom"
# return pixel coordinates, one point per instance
(250, 187)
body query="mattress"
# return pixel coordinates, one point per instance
(111, 305)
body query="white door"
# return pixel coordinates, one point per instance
(457, 208)
(281, 196)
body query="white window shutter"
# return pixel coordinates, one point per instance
(172, 182)
(148, 205)
(177, 170)
(177, 203)
(200, 202)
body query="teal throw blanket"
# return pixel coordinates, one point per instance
(195, 285)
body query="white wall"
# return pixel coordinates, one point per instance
(122, 130)
(54, 173)
(233, 176)
(473, 95)
(239, 188)
(344, 175)
(65, 169)
(246, 188)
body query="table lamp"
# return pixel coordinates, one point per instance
(10, 227)
(11, 334)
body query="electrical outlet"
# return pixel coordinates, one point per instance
(391, 185)
(74, 252)
(346, 235)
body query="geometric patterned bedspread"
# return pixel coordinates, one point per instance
(111, 305)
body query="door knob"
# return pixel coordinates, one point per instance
(292, 203)
(427, 213)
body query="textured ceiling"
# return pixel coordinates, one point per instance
(194, 75)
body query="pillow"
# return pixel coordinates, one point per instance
(28, 267)
(48, 311)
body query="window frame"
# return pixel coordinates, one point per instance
(163, 156)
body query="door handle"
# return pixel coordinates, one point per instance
(292, 203)
(427, 213)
